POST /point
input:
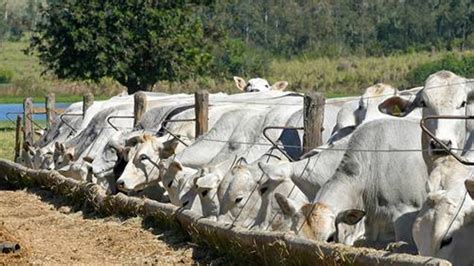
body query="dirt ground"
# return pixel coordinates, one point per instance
(48, 231)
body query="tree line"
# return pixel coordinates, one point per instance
(140, 42)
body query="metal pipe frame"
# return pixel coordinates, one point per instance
(444, 146)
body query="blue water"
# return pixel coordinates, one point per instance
(10, 110)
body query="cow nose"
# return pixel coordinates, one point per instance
(120, 184)
(435, 146)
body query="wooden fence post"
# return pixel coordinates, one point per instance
(313, 120)
(87, 101)
(18, 129)
(28, 120)
(50, 102)
(139, 107)
(201, 109)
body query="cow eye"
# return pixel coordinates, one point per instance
(422, 104)
(204, 193)
(446, 241)
(263, 190)
(143, 157)
(267, 85)
(463, 104)
(170, 183)
(239, 199)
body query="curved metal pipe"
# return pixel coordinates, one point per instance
(275, 145)
(118, 116)
(444, 146)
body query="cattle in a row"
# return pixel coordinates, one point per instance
(377, 180)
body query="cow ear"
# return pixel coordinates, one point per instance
(240, 83)
(88, 159)
(280, 85)
(275, 172)
(207, 181)
(169, 148)
(241, 161)
(469, 184)
(396, 106)
(133, 141)
(350, 217)
(27, 146)
(39, 132)
(287, 206)
(176, 165)
(69, 156)
(60, 147)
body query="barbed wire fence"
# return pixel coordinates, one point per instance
(7, 133)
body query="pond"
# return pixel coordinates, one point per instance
(10, 110)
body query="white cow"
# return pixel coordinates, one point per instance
(388, 187)
(444, 93)
(259, 85)
(445, 221)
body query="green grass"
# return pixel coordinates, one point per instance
(7, 138)
(7, 142)
(335, 77)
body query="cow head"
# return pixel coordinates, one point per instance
(444, 93)
(62, 156)
(207, 184)
(259, 85)
(443, 214)
(318, 222)
(142, 163)
(178, 181)
(117, 148)
(370, 100)
(238, 201)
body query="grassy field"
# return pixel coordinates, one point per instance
(7, 140)
(333, 77)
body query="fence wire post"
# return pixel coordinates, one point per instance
(18, 128)
(50, 102)
(87, 101)
(313, 120)
(28, 120)
(201, 109)
(139, 107)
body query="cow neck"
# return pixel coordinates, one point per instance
(340, 193)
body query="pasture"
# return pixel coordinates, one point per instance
(335, 77)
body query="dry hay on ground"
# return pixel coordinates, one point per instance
(51, 233)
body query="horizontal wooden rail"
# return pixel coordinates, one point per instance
(42, 110)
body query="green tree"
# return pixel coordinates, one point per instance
(136, 42)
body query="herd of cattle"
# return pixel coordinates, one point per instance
(377, 181)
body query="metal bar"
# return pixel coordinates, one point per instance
(444, 146)
(7, 115)
(179, 120)
(175, 136)
(118, 116)
(175, 121)
(66, 123)
(275, 145)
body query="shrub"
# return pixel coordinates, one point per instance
(461, 65)
(234, 58)
(6, 75)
